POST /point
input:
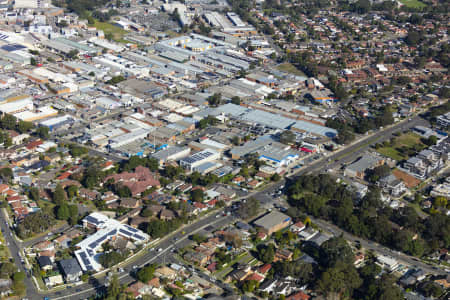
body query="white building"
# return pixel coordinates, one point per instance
(199, 158)
(387, 262)
(107, 230)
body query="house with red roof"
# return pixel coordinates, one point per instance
(200, 206)
(297, 227)
(264, 269)
(107, 166)
(34, 144)
(64, 175)
(255, 277)
(139, 181)
(298, 296)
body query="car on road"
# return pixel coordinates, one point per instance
(160, 249)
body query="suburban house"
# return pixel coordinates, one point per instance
(70, 269)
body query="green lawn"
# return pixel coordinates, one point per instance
(107, 28)
(290, 68)
(391, 152)
(413, 3)
(242, 258)
(408, 140)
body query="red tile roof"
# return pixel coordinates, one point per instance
(137, 182)
(199, 205)
(264, 268)
(298, 296)
(255, 277)
(34, 144)
(64, 176)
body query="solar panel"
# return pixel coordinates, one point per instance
(139, 237)
(131, 228)
(12, 47)
(127, 233)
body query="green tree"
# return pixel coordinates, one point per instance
(215, 99)
(8, 122)
(275, 177)
(146, 273)
(72, 54)
(340, 279)
(73, 214)
(62, 212)
(72, 191)
(33, 193)
(249, 208)
(6, 173)
(8, 141)
(59, 196)
(266, 253)
(336, 250)
(197, 195)
(42, 132)
(287, 137)
(24, 126)
(236, 100)
(7, 269)
(114, 288)
(250, 286)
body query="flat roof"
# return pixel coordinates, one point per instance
(272, 219)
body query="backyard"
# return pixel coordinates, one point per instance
(402, 147)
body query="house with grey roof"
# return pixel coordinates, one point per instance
(70, 269)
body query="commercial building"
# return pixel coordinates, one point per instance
(127, 138)
(273, 221)
(359, 167)
(107, 230)
(172, 153)
(315, 129)
(57, 122)
(199, 158)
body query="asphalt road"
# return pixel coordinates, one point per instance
(14, 249)
(180, 239)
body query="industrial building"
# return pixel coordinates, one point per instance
(273, 221)
(172, 153)
(57, 122)
(199, 158)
